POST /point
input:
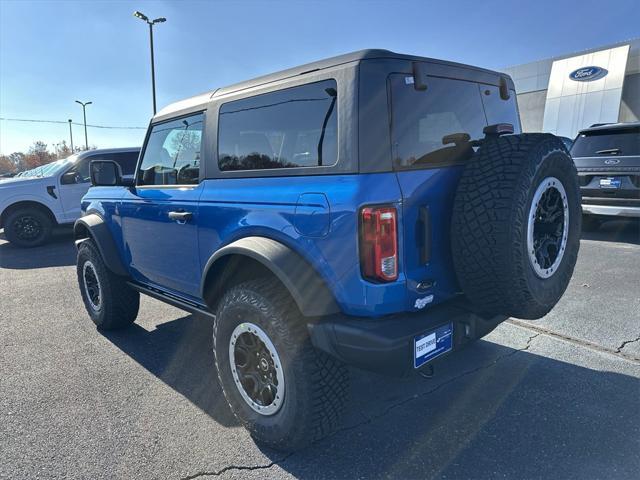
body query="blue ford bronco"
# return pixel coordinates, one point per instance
(374, 209)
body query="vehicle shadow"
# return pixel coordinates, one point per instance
(622, 230)
(59, 252)
(491, 411)
(179, 353)
(525, 416)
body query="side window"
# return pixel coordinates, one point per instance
(172, 154)
(126, 160)
(295, 127)
(434, 126)
(82, 169)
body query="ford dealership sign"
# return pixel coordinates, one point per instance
(588, 74)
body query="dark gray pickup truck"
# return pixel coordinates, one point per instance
(607, 158)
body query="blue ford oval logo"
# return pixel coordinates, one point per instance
(588, 74)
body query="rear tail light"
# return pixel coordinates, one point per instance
(379, 243)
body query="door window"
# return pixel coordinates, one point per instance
(82, 171)
(173, 153)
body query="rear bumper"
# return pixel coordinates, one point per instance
(385, 345)
(623, 201)
(612, 210)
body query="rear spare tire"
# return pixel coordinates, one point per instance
(516, 225)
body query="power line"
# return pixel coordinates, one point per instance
(30, 120)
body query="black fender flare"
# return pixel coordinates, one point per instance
(93, 226)
(305, 285)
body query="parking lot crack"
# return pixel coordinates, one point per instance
(625, 343)
(370, 419)
(580, 341)
(217, 473)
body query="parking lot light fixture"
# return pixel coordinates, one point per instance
(71, 136)
(151, 23)
(84, 114)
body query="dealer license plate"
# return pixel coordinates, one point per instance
(610, 182)
(430, 345)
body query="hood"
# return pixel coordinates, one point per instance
(21, 182)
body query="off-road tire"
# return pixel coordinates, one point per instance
(490, 221)
(316, 384)
(118, 305)
(37, 218)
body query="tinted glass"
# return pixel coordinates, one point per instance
(498, 110)
(296, 127)
(172, 155)
(433, 127)
(126, 160)
(82, 169)
(607, 142)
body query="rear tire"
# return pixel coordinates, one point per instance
(286, 393)
(516, 225)
(110, 302)
(28, 227)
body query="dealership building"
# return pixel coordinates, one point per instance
(564, 94)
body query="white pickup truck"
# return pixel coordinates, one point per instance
(33, 202)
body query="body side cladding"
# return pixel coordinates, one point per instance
(305, 285)
(93, 226)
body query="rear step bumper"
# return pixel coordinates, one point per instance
(385, 345)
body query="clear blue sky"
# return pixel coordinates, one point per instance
(53, 52)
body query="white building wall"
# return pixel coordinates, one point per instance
(532, 80)
(573, 105)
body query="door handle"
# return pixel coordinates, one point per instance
(181, 217)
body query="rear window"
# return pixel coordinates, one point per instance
(607, 142)
(433, 127)
(295, 127)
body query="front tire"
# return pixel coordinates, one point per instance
(283, 390)
(28, 227)
(109, 301)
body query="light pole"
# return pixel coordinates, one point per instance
(84, 113)
(151, 23)
(71, 136)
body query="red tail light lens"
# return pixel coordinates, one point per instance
(379, 243)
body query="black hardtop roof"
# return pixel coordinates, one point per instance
(357, 56)
(611, 126)
(369, 54)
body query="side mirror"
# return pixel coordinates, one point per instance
(106, 173)
(69, 178)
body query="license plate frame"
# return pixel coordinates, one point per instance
(431, 344)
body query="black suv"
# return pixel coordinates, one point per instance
(608, 161)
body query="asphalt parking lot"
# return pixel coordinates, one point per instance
(555, 398)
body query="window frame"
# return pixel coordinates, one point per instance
(143, 150)
(346, 107)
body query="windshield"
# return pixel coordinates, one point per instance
(50, 168)
(607, 142)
